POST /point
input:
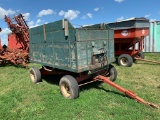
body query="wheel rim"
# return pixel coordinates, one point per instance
(32, 76)
(124, 61)
(109, 75)
(65, 90)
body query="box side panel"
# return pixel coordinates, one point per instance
(142, 24)
(55, 50)
(131, 33)
(92, 47)
(111, 52)
(90, 35)
(57, 26)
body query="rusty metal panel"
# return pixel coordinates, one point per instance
(152, 41)
(131, 28)
(0, 45)
(13, 42)
(61, 46)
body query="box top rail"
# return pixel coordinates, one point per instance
(130, 23)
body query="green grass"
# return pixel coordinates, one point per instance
(20, 99)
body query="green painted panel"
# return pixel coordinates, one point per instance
(36, 34)
(84, 35)
(81, 50)
(56, 26)
(35, 52)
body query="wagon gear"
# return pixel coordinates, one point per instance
(125, 60)
(69, 87)
(129, 39)
(35, 75)
(77, 54)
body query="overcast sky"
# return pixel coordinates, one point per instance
(79, 12)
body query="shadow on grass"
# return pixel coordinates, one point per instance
(114, 92)
(54, 79)
(158, 86)
(97, 86)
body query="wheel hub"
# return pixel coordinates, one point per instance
(32, 76)
(124, 61)
(65, 90)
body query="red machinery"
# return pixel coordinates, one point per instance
(125, 91)
(18, 42)
(128, 38)
(19, 38)
(0, 45)
(0, 41)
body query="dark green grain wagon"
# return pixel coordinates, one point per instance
(77, 53)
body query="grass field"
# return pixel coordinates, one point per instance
(20, 99)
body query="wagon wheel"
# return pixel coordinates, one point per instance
(112, 73)
(35, 75)
(125, 60)
(69, 87)
(140, 55)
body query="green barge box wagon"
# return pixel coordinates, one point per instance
(76, 53)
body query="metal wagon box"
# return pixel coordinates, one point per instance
(131, 28)
(129, 39)
(60, 45)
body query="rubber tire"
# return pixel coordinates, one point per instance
(36, 75)
(141, 55)
(127, 58)
(71, 84)
(112, 73)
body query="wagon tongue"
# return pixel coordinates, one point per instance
(125, 91)
(153, 105)
(140, 100)
(137, 58)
